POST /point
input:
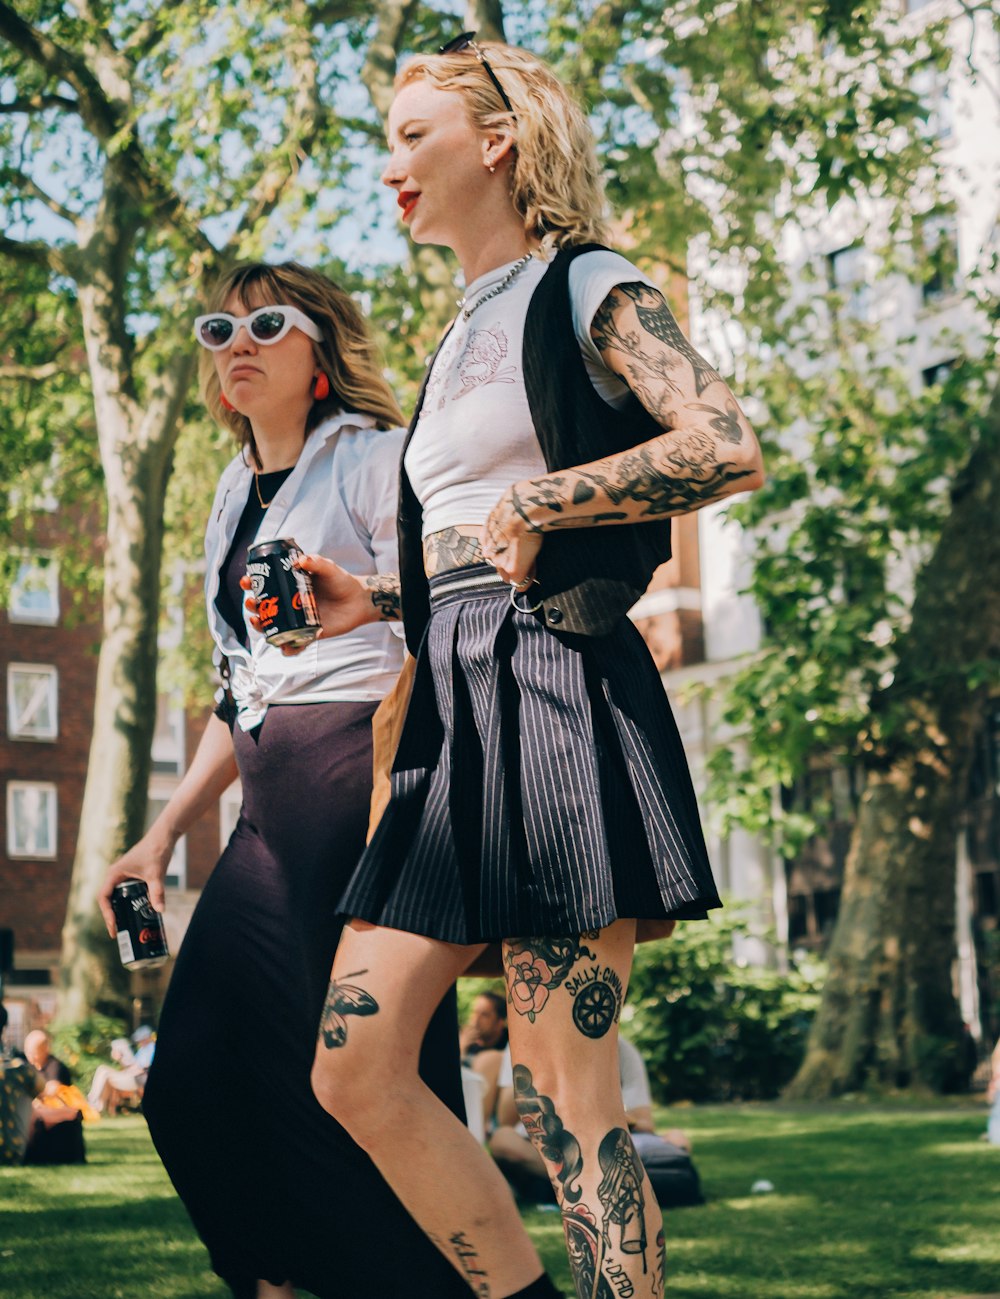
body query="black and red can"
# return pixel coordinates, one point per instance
(142, 939)
(286, 606)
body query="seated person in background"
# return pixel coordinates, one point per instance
(486, 1027)
(110, 1084)
(482, 1042)
(666, 1158)
(38, 1053)
(19, 1085)
(144, 1045)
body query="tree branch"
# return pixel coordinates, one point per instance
(148, 34)
(31, 187)
(379, 69)
(94, 106)
(485, 18)
(301, 126)
(34, 252)
(38, 103)
(338, 11)
(34, 373)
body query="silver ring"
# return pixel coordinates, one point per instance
(515, 592)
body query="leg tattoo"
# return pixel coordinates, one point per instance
(537, 965)
(344, 999)
(585, 1249)
(620, 1193)
(545, 1128)
(468, 1257)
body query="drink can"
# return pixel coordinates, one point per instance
(142, 939)
(286, 606)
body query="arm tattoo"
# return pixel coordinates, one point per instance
(384, 590)
(657, 319)
(344, 999)
(520, 506)
(726, 423)
(673, 474)
(546, 493)
(649, 371)
(449, 549)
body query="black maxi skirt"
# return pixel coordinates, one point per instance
(539, 788)
(275, 1187)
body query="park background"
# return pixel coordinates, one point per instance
(814, 185)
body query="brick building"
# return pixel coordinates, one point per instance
(48, 654)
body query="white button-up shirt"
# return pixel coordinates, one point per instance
(338, 501)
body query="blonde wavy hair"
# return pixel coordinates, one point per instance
(556, 184)
(346, 353)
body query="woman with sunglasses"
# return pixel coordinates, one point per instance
(280, 1194)
(540, 795)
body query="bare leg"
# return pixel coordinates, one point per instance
(566, 996)
(267, 1291)
(385, 986)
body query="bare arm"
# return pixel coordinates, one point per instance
(707, 451)
(212, 770)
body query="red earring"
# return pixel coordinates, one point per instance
(321, 388)
(226, 403)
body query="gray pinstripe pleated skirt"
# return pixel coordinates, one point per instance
(539, 787)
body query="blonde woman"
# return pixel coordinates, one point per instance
(273, 1184)
(540, 795)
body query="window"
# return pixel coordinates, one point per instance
(31, 819)
(939, 237)
(168, 738)
(848, 276)
(32, 701)
(932, 87)
(176, 877)
(935, 374)
(34, 596)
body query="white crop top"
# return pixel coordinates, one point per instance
(475, 436)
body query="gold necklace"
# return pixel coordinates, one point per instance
(256, 482)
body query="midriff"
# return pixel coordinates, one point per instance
(456, 547)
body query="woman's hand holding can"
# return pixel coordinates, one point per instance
(343, 602)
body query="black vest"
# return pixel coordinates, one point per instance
(588, 577)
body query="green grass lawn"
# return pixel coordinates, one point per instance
(869, 1202)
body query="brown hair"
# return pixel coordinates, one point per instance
(347, 353)
(556, 184)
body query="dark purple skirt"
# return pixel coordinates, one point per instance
(540, 786)
(273, 1184)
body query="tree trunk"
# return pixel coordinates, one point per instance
(888, 1016)
(114, 801)
(136, 449)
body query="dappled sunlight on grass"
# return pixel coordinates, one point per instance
(772, 1203)
(869, 1203)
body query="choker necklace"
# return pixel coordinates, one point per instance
(256, 482)
(509, 278)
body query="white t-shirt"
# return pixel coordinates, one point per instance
(475, 436)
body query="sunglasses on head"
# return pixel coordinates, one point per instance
(467, 41)
(265, 325)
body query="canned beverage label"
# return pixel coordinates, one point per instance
(142, 938)
(286, 606)
(125, 947)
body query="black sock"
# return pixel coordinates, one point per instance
(540, 1289)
